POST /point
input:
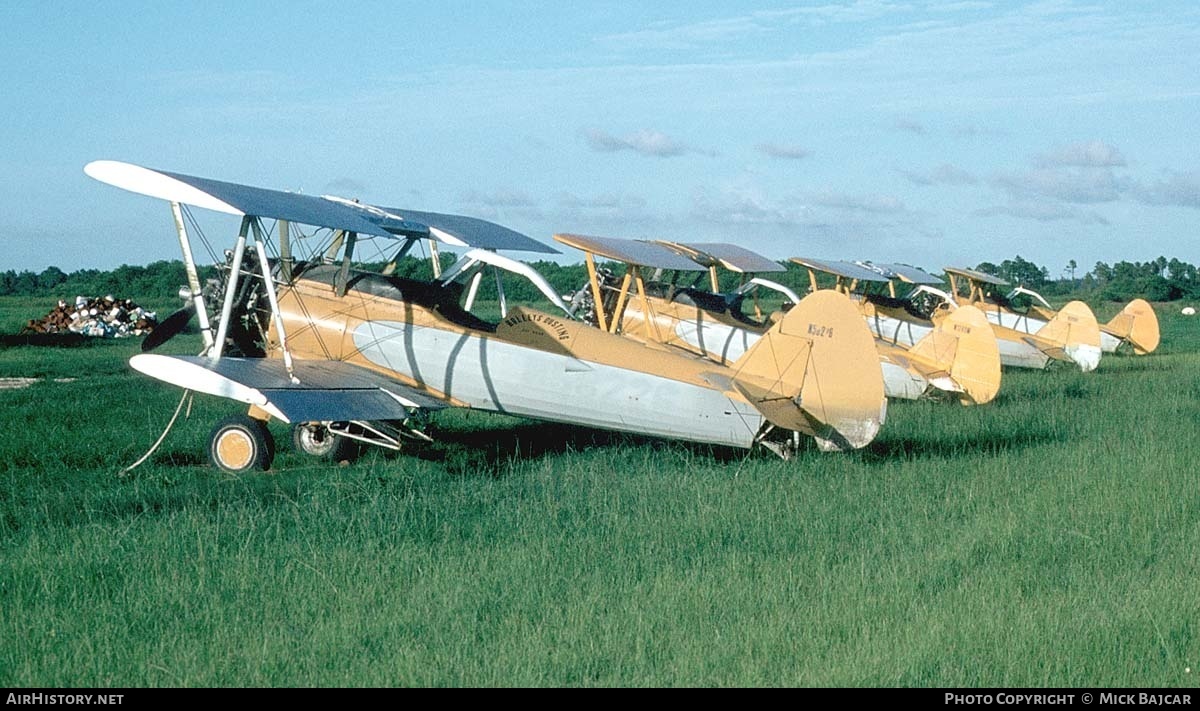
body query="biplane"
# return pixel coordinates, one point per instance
(665, 282)
(1072, 334)
(904, 319)
(1026, 310)
(958, 356)
(346, 355)
(956, 352)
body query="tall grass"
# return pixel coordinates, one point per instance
(1046, 539)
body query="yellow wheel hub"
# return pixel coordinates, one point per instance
(236, 449)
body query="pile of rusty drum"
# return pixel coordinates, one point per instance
(101, 317)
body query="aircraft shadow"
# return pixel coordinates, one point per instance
(996, 442)
(476, 451)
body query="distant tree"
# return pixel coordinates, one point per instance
(988, 268)
(1023, 271)
(25, 282)
(51, 277)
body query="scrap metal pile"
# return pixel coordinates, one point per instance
(100, 317)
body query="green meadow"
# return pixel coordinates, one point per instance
(1049, 538)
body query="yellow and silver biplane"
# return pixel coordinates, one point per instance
(958, 356)
(954, 349)
(349, 355)
(1072, 334)
(1026, 310)
(905, 319)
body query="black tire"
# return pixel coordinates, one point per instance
(315, 440)
(240, 443)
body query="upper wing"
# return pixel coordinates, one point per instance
(846, 270)
(327, 390)
(642, 254)
(976, 275)
(324, 211)
(731, 256)
(236, 199)
(463, 231)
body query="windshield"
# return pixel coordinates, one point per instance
(468, 274)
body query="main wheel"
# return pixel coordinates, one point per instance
(316, 440)
(240, 443)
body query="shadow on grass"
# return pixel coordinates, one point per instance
(488, 450)
(953, 446)
(1123, 364)
(179, 459)
(54, 340)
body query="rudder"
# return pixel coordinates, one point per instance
(1138, 324)
(817, 372)
(964, 345)
(1075, 330)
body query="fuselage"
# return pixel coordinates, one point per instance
(530, 364)
(724, 337)
(897, 326)
(1071, 334)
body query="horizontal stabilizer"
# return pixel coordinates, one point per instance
(1137, 324)
(327, 390)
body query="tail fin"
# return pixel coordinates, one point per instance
(1075, 331)
(1138, 324)
(963, 346)
(817, 372)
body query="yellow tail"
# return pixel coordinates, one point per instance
(963, 349)
(1074, 330)
(1138, 324)
(817, 372)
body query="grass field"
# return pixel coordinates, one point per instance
(1047, 539)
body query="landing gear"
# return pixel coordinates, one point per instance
(240, 443)
(317, 440)
(784, 443)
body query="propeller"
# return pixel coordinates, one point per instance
(167, 328)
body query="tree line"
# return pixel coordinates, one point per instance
(1160, 279)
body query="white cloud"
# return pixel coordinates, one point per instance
(1042, 211)
(1075, 185)
(944, 174)
(607, 201)
(910, 126)
(503, 198)
(777, 150)
(1094, 154)
(644, 142)
(345, 187)
(704, 33)
(1179, 189)
(880, 204)
(742, 206)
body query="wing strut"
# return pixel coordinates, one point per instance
(235, 270)
(193, 277)
(273, 298)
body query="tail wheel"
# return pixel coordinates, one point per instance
(241, 443)
(316, 440)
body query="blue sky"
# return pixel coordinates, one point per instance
(933, 133)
